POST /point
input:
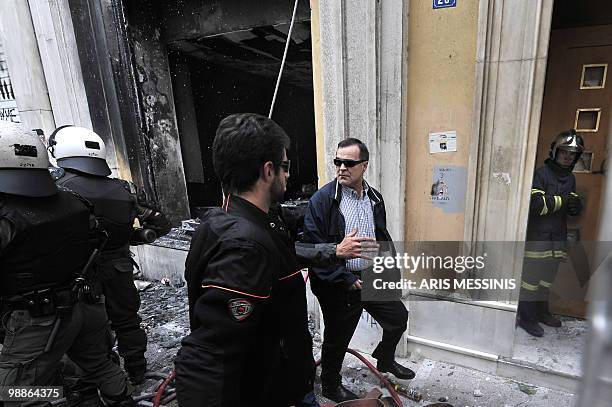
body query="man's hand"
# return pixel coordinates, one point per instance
(353, 247)
(356, 285)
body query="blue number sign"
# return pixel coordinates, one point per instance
(444, 3)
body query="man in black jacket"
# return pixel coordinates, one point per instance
(345, 204)
(553, 198)
(81, 158)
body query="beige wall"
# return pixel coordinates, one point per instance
(441, 75)
(317, 85)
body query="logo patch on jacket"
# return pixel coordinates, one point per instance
(240, 308)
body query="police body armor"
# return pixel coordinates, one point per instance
(51, 245)
(115, 207)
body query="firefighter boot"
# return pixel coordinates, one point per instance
(527, 318)
(544, 315)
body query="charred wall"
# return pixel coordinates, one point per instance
(124, 48)
(128, 87)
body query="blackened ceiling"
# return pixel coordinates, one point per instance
(258, 51)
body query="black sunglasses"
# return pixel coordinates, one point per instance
(347, 163)
(285, 165)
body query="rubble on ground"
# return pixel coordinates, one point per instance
(164, 312)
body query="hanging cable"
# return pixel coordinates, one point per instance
(280, 73)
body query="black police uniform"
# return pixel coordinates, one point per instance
(116, 206)
(249, 343)
(44, 244)
(546, 242)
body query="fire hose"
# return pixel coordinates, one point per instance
(376, 373)
(160, 391)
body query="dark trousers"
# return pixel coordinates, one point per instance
(538, 276)
(341, 312)
(122, 305)
(82, 335)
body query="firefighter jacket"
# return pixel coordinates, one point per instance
(547, 228)
(44, 242)
(247, 309)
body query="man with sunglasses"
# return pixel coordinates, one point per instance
(341, 206)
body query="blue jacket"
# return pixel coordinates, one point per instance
(323, 223)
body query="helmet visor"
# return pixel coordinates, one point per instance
(88, 165)
(27, 182)
(575, 149)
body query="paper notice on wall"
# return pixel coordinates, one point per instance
(448, 188)
(443, 142)
(8, 105)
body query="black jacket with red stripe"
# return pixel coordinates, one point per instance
(247, 308)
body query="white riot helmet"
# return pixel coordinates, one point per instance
(24, 164)
(80, 149)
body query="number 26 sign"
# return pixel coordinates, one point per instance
(444, 3)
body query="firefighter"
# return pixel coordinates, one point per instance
(50, 302)
(81, 158)
(553, 199)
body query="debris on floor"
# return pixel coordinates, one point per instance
(164, 313)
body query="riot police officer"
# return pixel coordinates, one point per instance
(81, 157)
(50, 302)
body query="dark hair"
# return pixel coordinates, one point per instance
(244, 142)
(364, 154)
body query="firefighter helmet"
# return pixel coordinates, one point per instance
(568, 140)
(80, 149)
(23, 163)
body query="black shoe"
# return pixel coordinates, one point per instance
(84, 398)
(531, 327)
(550, 320)
(338, 393)
(396, 370)
(121, 400)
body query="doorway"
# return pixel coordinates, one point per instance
(218, 75)
(578, 95)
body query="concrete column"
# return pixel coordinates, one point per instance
(187, 122)
(161, 136)
(361, 49)
(60, 61)
(511, 58)
(25, 66)
(510, 74)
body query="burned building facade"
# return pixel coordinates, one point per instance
(154, 78)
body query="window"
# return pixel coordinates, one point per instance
(587, 120)
(593, 76)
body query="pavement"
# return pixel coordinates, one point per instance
(165, 318)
